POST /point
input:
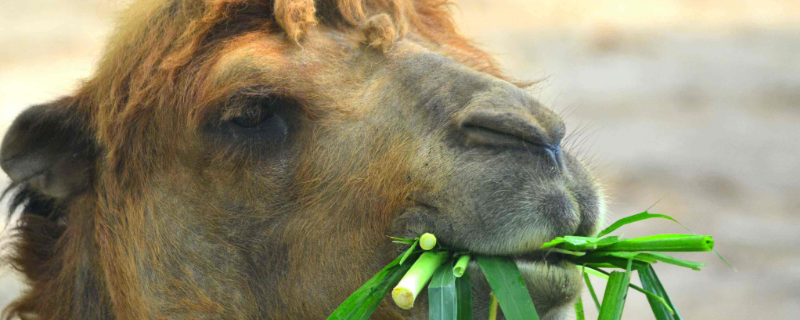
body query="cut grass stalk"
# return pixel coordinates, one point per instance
(461, 265)
(417, 277)
(664, 243)
(427, 241)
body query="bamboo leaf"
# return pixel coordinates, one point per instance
(637, 217)
(363, 302)
(464, 295)
(509, 287)
(442, 302)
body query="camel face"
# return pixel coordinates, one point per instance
(238, 164)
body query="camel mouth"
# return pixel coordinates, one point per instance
(539, 256)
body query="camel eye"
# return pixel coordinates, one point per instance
(258, 121)
(253, 118)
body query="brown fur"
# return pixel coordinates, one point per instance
(125, 248)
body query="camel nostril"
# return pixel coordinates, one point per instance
(506, 130)
(555, 155)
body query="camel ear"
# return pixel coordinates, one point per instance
(47, 149)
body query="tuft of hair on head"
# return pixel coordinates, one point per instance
(296, 17)
(379, 32)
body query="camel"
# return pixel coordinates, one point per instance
(247, 159)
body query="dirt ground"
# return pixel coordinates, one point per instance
(694, 102)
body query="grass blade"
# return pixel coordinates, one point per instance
(362, 303)
(615, 294)
(614, 297)
(403, 240)
(493, 307)
(604, 275)
(509, 287)
(672, 260)
(579, 310)
(637, 217)
(464, 295)
(409, 251)
(591, 290)
(576, 243)
(651, 283)
(591, 260)
(442, 303)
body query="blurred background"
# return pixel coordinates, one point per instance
(692, 102)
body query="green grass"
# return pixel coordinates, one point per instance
(606, 257)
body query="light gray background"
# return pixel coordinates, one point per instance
(696, 102)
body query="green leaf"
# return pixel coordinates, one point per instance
(591, 290)
(553, 242)
(579, 310)
(593, 260)
(664, 243)
(576, 243)
(604, 275)
(672, 260)
(567, 252)
(403, 240)
(509, 287)
(442, 302)
(615, 294)
(464, 295)
(651, 283)
(493, 307)
(637, 217)
(362, 303)
(596, 272)
(409, 251)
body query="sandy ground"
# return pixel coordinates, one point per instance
(696, 102)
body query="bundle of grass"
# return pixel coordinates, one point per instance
(449, 286)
